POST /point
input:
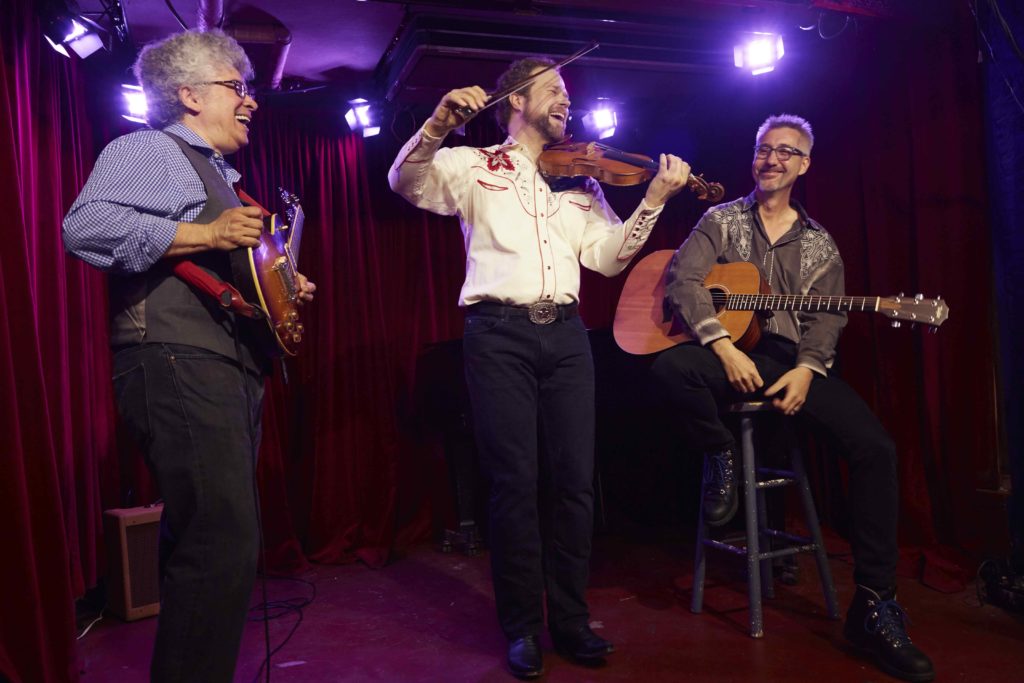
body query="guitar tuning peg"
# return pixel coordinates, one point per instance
(918, 297)
(913, 326)
(895, 323)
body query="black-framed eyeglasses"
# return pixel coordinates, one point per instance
(783, 152)
(241, 88)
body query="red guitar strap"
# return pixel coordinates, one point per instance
(222, 292)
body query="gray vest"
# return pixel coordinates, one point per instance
(158, 307)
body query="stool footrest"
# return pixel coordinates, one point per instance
(773, 483)
(791, 550)
(736, 550)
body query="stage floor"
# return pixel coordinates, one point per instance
(429, 616)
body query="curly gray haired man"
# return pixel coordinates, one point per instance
(188, 376)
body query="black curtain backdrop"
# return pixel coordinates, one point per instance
(348, 470)
(1004, 128)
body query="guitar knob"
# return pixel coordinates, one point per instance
(289, 325)
(293, 315)
(895, 323)
(299, 328)
(296, 337)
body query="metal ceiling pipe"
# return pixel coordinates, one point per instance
(274, 36)
(210, 12)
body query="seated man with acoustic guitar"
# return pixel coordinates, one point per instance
(188, 374)
(790, 365)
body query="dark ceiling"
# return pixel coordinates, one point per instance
(411, 52)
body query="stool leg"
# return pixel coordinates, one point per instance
(767, 572)
(750, 508)
(824, 573)
(699, 564)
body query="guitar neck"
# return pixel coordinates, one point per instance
(795, 302)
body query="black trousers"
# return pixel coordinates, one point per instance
(187, 409)
(532, 394)
(695, 385)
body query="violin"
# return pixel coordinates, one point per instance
(613, 167)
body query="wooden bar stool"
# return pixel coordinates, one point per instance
(758, 534)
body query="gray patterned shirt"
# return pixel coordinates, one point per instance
(804, 260)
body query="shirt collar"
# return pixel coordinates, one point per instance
(191, 137)
(749, 202)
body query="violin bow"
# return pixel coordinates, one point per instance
(496, 97)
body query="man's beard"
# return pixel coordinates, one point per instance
(546, 126)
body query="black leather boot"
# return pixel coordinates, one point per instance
(581, 643)
(524, 657)
(720, 500)
(876, 625)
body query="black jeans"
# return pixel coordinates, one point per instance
(695, 385)
(532, 394)
(187, 409)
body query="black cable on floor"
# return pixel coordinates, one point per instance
(278, 608)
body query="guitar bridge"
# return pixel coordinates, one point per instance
(284, 270)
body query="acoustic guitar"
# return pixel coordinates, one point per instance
(267, 278)
(742, 298)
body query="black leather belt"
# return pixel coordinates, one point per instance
(540, 313)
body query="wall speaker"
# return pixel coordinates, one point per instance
(133, 561)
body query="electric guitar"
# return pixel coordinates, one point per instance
(741, 297)
(267, 278)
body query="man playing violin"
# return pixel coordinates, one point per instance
(528, 363)
(790, 366)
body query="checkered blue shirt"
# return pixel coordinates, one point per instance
(141, 187)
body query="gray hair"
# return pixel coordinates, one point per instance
(798, 123)
(187, 58)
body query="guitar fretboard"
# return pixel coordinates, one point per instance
(794, 302)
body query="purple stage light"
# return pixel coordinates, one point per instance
(79, 34)
(602, 120)
(134, 102)
(361, 116)
(760, 54)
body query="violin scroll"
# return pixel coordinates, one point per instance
(711, 192)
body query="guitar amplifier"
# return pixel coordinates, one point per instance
(133, 561)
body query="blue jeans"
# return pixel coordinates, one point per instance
(187, 409)
(531, 389)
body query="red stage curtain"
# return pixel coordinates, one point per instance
(344, 473)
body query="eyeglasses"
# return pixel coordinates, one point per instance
(783, 152)
(241, 88)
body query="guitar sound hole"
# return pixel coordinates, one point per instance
(717, 298)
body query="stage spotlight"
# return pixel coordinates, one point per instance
(601, 120)
(135, 103)
(760, 54)
(362, 116)
(67, 31)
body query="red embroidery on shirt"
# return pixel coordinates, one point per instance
(493, 188)
(585, 207)
(497, 160)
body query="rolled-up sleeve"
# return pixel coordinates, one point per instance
(126, 217)
(685, 293)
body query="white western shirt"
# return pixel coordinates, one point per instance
(524, 242)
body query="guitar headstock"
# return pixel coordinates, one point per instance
(915, 309)
(290, 202)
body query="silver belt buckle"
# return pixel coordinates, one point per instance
(542, 313)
